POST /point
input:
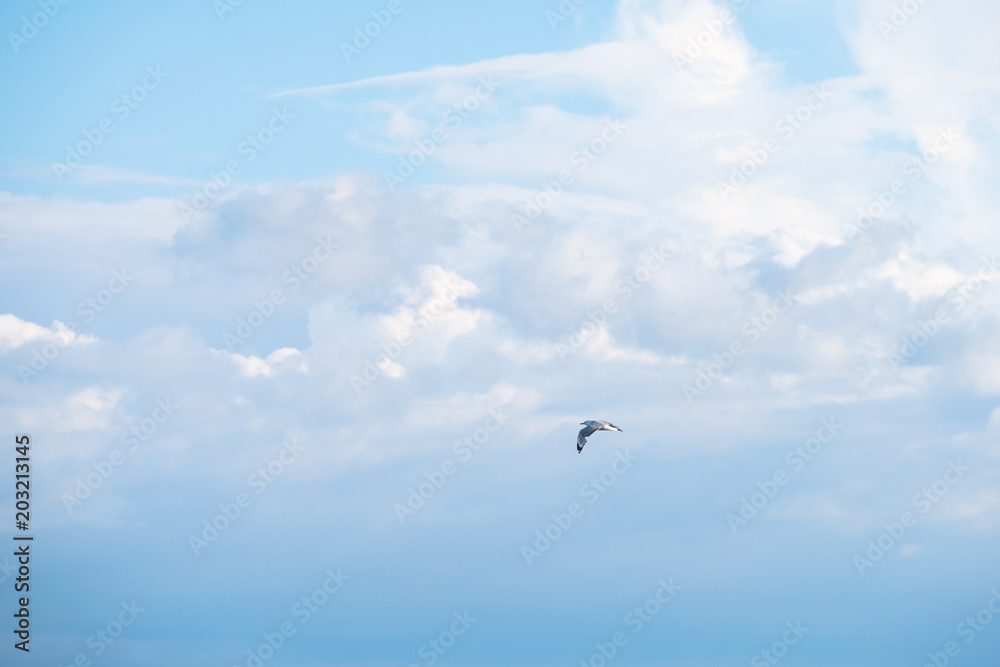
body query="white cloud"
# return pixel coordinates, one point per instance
(15, 332)
(89, 409)
(984, 504)
(281, 359)
(483, 307)
(29, 217)
(919, 279)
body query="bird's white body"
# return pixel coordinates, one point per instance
(590, 427)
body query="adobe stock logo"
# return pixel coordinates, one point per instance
(914, 168)
(464, 448)
(924, 501)
(265, 308)
(566, 9)
(249, 149)
(592, 490)
(139, 433)
(363, 38)
(230, 512)
(636, 620)
(900, 16)
(30, 28)
(581, 159)
(699, 44)
(427, 145)
(787, 126)
(753, 328)
(433, 649)
(122, 107)
(968, 630)
(303, 610)
(778, 650)
(629, 284)
(104, 637)
(796, 458)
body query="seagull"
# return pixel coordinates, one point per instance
(591, 427)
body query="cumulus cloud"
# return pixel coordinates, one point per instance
(15, 332)
(435, 307)
(253, 366)
(502, 295)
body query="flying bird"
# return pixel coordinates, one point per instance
(591, 427)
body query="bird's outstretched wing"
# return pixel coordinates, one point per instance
(581, 439)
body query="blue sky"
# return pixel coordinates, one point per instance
(303, 341)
